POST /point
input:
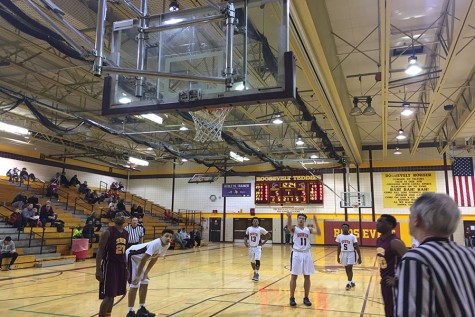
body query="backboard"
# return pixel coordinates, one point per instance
(200, 58)
(204, 178)
(355, 200)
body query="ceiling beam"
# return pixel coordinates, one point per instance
(385, 60)
(312, 43)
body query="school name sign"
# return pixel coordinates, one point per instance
(400, 189)
(366, 233)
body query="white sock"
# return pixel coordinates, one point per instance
(131, 309)
(141, 305)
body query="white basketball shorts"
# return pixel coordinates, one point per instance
(348, 258)
(301, 263)
(133, 266)
(255, 253)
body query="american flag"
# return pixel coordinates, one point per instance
(464, 182)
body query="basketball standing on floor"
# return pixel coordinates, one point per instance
(346, 255)
(301, 259)
(252, 240)
(111, 270)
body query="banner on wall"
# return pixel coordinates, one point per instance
(236, 190)
(400, 189)
(366, 236)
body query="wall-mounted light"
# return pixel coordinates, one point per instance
(299, 141)
(174, 6)
(13, 129)
(137, 161)
(153, 117)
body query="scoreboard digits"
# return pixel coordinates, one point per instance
(289, 190)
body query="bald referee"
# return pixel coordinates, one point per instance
(135, 231)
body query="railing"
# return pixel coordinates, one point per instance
(155, 233)
(138, 201)
(100, 186)
(157, 210)
(63, 196)
(78, 201)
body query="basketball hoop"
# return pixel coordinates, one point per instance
(132, 165)
(355, 206)
(209, 123)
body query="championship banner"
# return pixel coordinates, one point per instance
(400, 189)
(366, 237)
(236, 190)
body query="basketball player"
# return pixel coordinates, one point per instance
(252, 240)
(347, 245)
(137, 257)
(389, 250)
(301, 259)
(111, 270)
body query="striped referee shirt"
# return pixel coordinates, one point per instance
(135, 234)
(436, 279)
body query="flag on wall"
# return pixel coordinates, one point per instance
(464, 182)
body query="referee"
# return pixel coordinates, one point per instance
(135, 231)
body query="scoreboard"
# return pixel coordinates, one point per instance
(297, 189)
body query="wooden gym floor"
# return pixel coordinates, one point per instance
(212, 281)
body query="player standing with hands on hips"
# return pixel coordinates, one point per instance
(301, 259)
(346, 255)
(252, 240)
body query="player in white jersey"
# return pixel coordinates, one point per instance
(346, 255)
(252, 240)
(301, 259)
(137, 257)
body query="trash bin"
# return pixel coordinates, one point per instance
(79, 248)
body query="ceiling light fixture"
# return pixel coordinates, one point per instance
(398, 151)
(299, 141)
(400, 133)
(277, 119)
(174, 6)
(355, 111)
(314, 156)
(149, 148)
(407, 109)
(369, 110)
(124, 99)
(13, 129)
(153, 117)
(184, 160)
(183, 127)
(238, 158)
(413, 68)
(137, 161)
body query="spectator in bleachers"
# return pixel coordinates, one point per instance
(24, 175)
(56, 178)
(63, 180)
(120, 187)
(111, 213)
(77, 232)
(88, 232)
(19, 201)
(15, 218)
(47, 215)
(92, 197)
(13, 175)
(29, 216)
(52, 189)
(136, 211)
(121, 205)
(74, 181)
(83, 188)
(34, 200)
(177, 239)
(8, 251)
(136, 232)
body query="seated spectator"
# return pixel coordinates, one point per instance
(77, 232)
(121, 205)
(47, 215)
(120, 187)
(83, 188)
(74, 181)
(98, 225)
(92, 197)
(177, 239)
(88, 232)
(52, 190)
(34, 200)
(24, 176)
(63, 180)
(13, 175)
(136, 211)
(15, 219)
(19, 201)
(111, 213)
(8, 251)
(92, 217)
(186, 238)
(34, 179)
(114, 186)
(29, 216)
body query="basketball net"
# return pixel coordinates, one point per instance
(209, 123)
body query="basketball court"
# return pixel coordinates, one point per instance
(212, 281)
